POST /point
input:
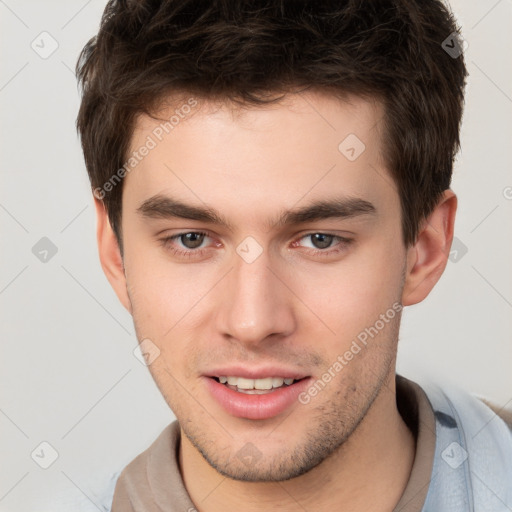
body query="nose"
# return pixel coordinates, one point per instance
(256, 302)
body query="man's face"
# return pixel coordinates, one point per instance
(263, 298)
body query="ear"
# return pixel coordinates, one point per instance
(427, 258)
(110, 255)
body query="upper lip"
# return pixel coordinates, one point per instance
(256, 373)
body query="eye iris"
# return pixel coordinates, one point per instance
(322, 241)
(192, 240)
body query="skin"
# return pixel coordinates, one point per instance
(289, 307)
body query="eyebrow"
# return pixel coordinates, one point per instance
(165, 207)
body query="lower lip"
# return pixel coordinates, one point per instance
(256, 407)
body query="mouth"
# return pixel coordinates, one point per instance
(256, 398)
(256, 386)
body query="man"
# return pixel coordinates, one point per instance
(272, 185)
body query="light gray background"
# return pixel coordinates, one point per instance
(68, 373)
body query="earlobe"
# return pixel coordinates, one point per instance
(427, 259)
(110, 255)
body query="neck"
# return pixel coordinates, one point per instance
(356, 477)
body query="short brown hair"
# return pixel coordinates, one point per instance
(245, 51)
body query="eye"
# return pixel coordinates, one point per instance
(188, 243)
(191, 240)
(322, 243)
(321, 240)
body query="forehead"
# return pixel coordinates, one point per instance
(305, 147)
(311, 115)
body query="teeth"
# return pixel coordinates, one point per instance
(261, 384)
(277, 382)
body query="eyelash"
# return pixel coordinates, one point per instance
(190, 253)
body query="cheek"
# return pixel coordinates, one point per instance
(351, 295)
(163, 303)
(158, 289)
(168, 303)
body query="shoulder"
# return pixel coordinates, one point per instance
(92, 496)
(480, 419)
(97, 494)
(502, 412)
(157, 454)
(473, 446)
